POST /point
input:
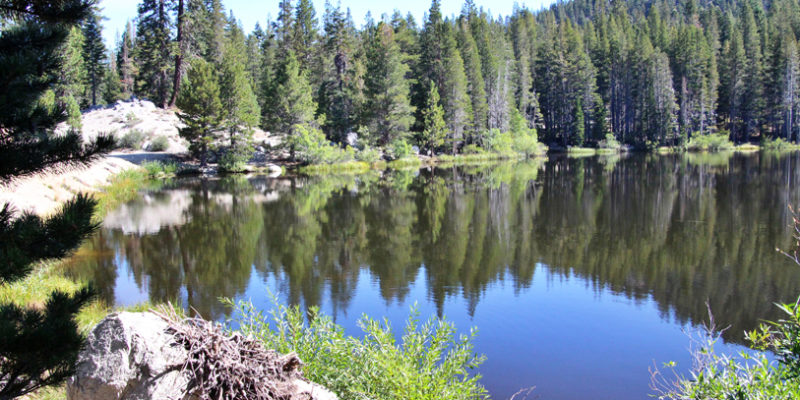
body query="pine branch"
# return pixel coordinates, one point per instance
(26, 157)
(54, 12)
(39, 347)
(28, 239)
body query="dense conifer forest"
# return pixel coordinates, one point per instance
(650, 73)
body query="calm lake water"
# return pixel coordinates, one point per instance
(580, 274)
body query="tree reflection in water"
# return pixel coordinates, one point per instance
(681, 230)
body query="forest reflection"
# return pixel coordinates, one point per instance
(683, 230)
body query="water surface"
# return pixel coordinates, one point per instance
(580, 274)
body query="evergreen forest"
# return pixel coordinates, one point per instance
(650, 73)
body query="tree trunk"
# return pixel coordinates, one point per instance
(176, 81)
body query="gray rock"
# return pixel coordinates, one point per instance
(351, 139)
(131, 356)
(274, 170)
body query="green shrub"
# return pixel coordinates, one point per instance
(160, 143)
(132, 140)
(777, 144)
(747, 376)
(499, 142)
(311, 147)
(398, 149)
(368, 155)
(526, 145)
(158, 169)
(610, 142)
(710, 142)
(131, 119)
(232, 162)
(473, 149)
(429, 361)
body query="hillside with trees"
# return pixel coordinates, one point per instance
(650, 73)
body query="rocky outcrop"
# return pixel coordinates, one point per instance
(136, 356)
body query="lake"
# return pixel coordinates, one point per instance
(580, 274)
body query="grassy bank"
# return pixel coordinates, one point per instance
(47, 277)
(474, 158)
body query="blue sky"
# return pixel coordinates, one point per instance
(249, 12)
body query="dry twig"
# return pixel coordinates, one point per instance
(231, 367)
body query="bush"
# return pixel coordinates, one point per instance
(526, 145)
(711, 142)
(429, 362)
(158, 169)
(777, 144)
(473, 149)
(131, 119)
(748, 376)
(398, 149)
(499, 142)
(311, 147)
(610, 142)
(368, 155)
(231, 162)
(132, 140)
(160, 143)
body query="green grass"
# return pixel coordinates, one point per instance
(342, 167)
(607, 151)
(581, 151)
(35, 288)
(476, 157)
(122, 188)
(747, 147)
(669, 149)
(405, 162)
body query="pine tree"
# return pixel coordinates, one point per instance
(112, 86)
(476, 87)
(125, 66)
(284, 27)
(293, 103)
(39, 346)
(70, 88)
(457, 104)
(201, 108)
(523, 34)
(94, 54)
(579, 125)
(387, 112)
(255, 57)
(180, 53)
(661, 105)
(435, 130)
(239, 104)
(153, 53)
(732, 81)
(752, 100)
(305, 35)
(340, 95)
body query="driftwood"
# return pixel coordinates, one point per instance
(232, 367)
